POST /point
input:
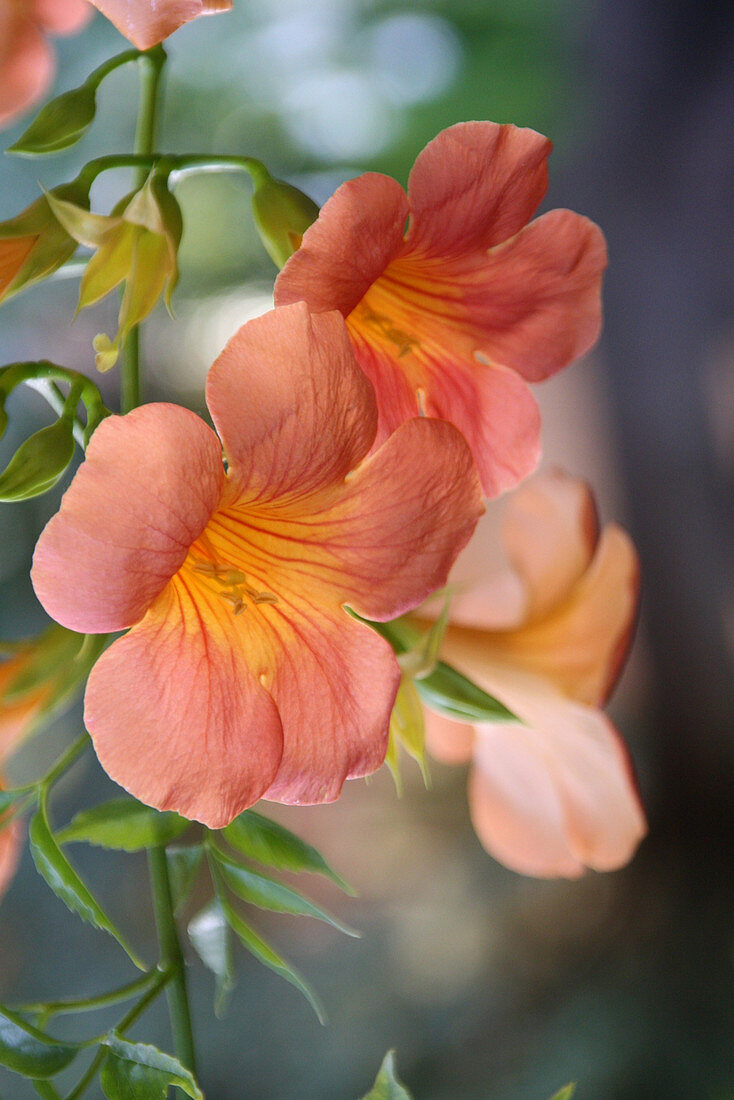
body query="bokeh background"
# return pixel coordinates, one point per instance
(490, 986)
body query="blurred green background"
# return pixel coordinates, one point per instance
(490, 986)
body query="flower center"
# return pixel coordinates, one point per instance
(231, 585)
(382, 323)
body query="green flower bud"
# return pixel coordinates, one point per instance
(60, 123)
(282, 214)
(39, 462)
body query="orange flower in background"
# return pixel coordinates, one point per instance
(146, 24)
(548, 637)
(452, 318)
(10, 845)
(243, 675)
(27, 60)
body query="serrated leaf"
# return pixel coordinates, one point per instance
(123, 824)
(31, 1052)
(387, 1086)
(449, 692)
(272, 844)
(183, 863)
(268, 893)
(270, 958)
(565, 1093)
(54, 867)
(59, 124)
(138, 1071)
(210, 935)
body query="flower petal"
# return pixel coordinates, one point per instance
(356, 235)
(581, 646)
(335, 683)
(26, 66)
(10, 846)
(177, 714)
(146, 24)
(405, 514)
(515, 807)
(447, 741)
(550, 530)
(475, 185)
(62, 16)
(147, 488)
(293, 410)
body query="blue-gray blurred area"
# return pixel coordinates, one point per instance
(490, 986)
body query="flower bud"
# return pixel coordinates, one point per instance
(39, 462)
(282, 214)
(34, 244)
(60, 123)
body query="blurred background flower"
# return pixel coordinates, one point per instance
(489, 984)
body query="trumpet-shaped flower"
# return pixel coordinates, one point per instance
(548, 637)
(146, 24)
(34, 244)
(138, 245)
(27, 61)
(243, 675)
(453, 317)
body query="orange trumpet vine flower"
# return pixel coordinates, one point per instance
(146, 24)
(455, 316)
(242, 674)
(548, 636)
(27, 61)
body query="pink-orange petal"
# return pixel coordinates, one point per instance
(26, 66)
(356, 235)
(534, 303)
(146, 24)
(405, 514)
(335, 683)
(582, 644)
(10, 847)
(177, 715)
(515, 806)
(62, 16)
(293, 410)
(146, 490)
(475, 185)
(550, 530)
(496, 413)
(448, 741)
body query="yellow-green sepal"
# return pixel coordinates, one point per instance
(281, 212)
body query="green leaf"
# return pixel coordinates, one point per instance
(183, 863)
(123, 824)
(53, 866)
(448, 692)
(266, 955)
(137, 1071)
(267, 893)
(60, 123)
(27, 1050)
(46, 1090)
(38, 463)
(565, 1093)
(269, 843)
(210, 936)
(387, 1086)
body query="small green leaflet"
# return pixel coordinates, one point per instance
(60, 123)
(209, 933)
(266, 955)
(387, 1086)
(27, 1050)
(183, 863)
(137, 1071)
(53, 866)
(267, 893)
(124, 824)
(271, 844)
(565, 1093)
(447, 691)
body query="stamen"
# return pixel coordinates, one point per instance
(232, 585)
(403, 340)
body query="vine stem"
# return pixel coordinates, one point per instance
(171, 958)
(150, 66)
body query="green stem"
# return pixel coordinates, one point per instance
(150, 67)
(65, 761)
(171, 958)
(92, 1004)
(180, 163)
